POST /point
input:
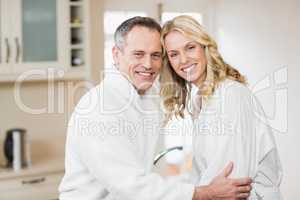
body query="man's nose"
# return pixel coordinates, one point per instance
(148, 63)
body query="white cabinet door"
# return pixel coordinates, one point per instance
(5, 41)
(32, 35)
(37, 34)
(35, 40)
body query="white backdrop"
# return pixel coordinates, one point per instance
(261, 38)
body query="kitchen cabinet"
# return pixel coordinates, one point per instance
(37, 182)
(34, 187)
(38, 37)
(31, 34)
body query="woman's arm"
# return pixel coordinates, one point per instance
(251, 144)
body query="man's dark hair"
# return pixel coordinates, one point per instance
(129, 24)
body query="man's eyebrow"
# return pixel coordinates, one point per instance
(141, 51)
(157, 52)
(138, 51)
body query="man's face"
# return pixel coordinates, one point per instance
(141, 57)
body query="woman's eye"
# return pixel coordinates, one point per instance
(191, 47)
(172, 55)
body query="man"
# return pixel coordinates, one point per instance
(114, 129)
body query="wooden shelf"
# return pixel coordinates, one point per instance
(77, 46)
(75, 25)
(77, 43)
(76, 3)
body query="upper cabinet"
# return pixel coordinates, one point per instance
(31, 35)
(5, 46)
(38, 35)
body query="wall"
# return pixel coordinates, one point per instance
(261, 38)
(46, 129)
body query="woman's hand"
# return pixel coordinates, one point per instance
(224, 188)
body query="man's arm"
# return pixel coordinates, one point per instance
(224, 188)
(111, 157)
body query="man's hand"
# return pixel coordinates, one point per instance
(224, 188)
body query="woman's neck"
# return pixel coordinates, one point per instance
(198, 82)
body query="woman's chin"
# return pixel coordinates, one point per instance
(190, 79)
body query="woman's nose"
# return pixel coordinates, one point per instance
(183, 58)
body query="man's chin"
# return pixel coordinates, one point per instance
(142, 88)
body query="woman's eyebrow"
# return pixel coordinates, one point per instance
(189, 43)
(170, 51)
(184, 46)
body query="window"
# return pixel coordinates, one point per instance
(170, 15)
(112, 19)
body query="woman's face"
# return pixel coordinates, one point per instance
(186, 57)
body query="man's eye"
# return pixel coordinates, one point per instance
(191, 47)
(156, 56)
(138, 55)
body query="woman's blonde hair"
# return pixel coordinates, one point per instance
(176, 91)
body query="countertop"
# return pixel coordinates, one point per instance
(38, 167)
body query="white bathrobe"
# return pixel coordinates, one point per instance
(232, 126)
(110, 147)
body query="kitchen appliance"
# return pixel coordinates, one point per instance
(16, 149)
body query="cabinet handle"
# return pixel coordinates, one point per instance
(18, 49)
(34, 181)
(7, 50)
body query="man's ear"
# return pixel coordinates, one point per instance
(116, 54)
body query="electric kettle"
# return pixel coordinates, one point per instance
(16, 149)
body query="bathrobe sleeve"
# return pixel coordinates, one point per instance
(111, 157)
(247, 140)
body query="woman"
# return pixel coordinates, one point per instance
(229, 124)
